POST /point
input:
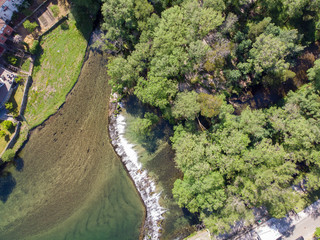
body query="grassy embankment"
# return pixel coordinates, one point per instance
(56, 70)
(26, 65)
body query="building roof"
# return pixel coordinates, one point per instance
(1, 50)
(268, 232)
(2, 2)
(2, 22)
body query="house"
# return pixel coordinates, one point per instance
(1, 50)
(7, 7)
(5, 31)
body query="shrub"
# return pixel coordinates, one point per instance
(7, 124)
(2, 133)
(36, 48)
(317, 233)
(55, 10)
(18, 79)
(12, 60)
(8, 155)
(64, 25)
(9, 106)
(30, 26)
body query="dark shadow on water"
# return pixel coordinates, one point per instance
(19, 164)
(161, 132)
(7, 184)
(135, 107)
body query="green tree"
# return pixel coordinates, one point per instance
(157, 91)
(55, 10)
(186, 105)
(119, 22)
(36, 48)
(143, 126)
(2, 133)
(121, 73)
(209, 104)
(205, 193)
(268, 55)
(7, 124)
(30, 26)
(8, 155)
(314, 74)
(12, 60)
(18, 79)
(142, 11)
(9, 106)
(317, 233)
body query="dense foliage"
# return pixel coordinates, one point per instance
(249, 160)
(184, 58)
(8, 155)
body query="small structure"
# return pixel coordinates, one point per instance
(5, 31)
(268, 232)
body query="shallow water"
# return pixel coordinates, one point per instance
(69, 183)
(144, 184)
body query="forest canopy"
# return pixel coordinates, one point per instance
(186, 58)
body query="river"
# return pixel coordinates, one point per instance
(68, 182)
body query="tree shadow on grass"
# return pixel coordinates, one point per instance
(38, 53)
(7, 184)
(85, 15)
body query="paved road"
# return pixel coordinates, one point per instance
(201, 235)
(306, 227)
(292, 227)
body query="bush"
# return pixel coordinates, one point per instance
(36, 48)
(18, 79)
(64, 25)
(2, 133)
(8, 155)
(30, 26)
(55, 10)
(317, 233)
(7, 124)
(12, 60)
(9, 106)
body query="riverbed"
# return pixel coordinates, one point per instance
(68, 183)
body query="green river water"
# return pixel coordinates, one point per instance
(68, 182)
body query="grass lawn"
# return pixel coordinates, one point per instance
(25, 66)
(16, 98)
(55, 71)
(18, 95)
(4, 140)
